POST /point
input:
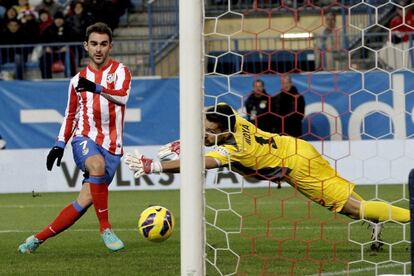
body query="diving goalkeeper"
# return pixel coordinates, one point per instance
(251, 152)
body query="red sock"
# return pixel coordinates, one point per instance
(99, 194)
(68, 216)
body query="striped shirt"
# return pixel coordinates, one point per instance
(99, 117)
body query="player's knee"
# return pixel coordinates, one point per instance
(95, 165)
(352, 208)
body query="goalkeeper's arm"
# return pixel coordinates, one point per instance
(142, 165)
(173, 166)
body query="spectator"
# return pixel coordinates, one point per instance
(329, 53)
(45, 20)
(22, 5)
(78, 18)
(49, 5)
(258, 108)
(11, 13)
(290, 105)
(18, 55)
(103, 11)
(121, 6)
(56, 55)
(30, 26)
(8, 3)
(402, 25)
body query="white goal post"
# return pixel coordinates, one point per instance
(191, 136)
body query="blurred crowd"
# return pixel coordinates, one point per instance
(25, 22)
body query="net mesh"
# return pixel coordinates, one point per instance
(341, 57)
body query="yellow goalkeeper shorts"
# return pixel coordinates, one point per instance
(313, 176)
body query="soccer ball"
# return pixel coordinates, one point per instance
(156, 223)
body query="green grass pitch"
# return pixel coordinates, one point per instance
(281, 234)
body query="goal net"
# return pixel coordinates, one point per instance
(353, 70)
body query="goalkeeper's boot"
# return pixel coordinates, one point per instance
(111, 240)
(377, 243)
(30, 245)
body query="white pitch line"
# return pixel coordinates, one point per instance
(359, 270)
(8, 231)
(209, 228)
(21, 206)
(211, 204)
(69, 230)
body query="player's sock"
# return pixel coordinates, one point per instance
(99, 192)
(68, 216)
(380, 211)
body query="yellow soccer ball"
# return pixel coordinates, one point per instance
(156, 223)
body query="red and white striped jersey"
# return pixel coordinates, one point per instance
(98, 116)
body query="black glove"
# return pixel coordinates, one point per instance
(55, 153)
(87, 85)
(396, 39)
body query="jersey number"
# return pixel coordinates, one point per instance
(263, 141)
(83, 144)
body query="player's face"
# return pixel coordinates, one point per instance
(98, 47)
(258, 87)
(213, 134)
(286, 84)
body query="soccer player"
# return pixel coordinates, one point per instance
(95, 118)
(251, 152)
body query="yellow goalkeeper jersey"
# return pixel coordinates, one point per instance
(252, 152)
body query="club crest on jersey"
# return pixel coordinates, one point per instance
(85, 151)
(110, 78)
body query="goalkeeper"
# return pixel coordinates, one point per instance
(251, 152)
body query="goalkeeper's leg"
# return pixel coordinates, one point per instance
(381, 211)
(376, 211)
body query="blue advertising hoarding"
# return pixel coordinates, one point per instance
(373, 105)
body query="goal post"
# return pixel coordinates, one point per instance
(191, 136)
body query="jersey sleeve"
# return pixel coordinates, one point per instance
(221, 153)
(71, 117)
(120, 93)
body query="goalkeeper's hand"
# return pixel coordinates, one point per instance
(141, 165)
(170, 151)
(87, 85)
(55, 153)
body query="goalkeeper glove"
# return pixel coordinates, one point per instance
(141, 165)
(170, 151)
(55, 153)
(87, 85)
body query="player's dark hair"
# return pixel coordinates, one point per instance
(223, 115)
(260, 81)
(100, 28)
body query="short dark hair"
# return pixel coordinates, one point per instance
(259, 80)
(223, 115)
(100, 28)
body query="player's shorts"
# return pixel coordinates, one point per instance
(314, 177)
(84, 147)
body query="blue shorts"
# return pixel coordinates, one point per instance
(84, 147)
